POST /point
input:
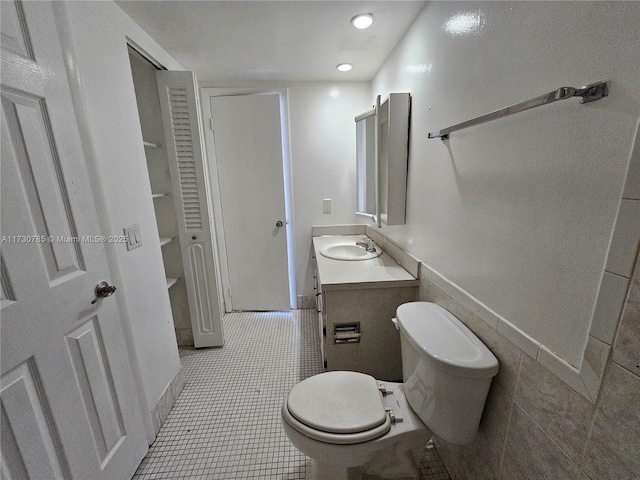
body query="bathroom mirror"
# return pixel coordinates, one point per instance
(366, 163)
(382, 152)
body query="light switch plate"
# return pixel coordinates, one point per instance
(134, 239)
(326, 205)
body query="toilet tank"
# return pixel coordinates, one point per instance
(446, 370)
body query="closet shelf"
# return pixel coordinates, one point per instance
(165, 240)
(150, 145)
(171, 282)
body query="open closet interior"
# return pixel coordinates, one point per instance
(149, 110)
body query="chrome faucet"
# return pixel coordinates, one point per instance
(367, 244)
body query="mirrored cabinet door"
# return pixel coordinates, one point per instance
(382, 159)
(393, 157)
(366, 162)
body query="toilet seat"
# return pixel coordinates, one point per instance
(337, 407)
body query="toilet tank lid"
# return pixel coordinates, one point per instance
(454, 348)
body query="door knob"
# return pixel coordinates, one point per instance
(103, 290)
(279, 223)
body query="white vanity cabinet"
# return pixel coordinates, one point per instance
(356, 302)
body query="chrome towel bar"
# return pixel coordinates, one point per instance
(588, 93)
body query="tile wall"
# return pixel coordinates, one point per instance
(535, 426)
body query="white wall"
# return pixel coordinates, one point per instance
(99, 32)
(322, 138)
(323, 159)
(518, 212)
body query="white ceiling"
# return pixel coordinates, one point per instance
(274, 40)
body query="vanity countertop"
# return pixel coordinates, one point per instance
(379, 272)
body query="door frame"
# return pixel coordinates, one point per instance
(102, 205)
(205, 94)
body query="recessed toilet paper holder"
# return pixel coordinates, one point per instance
(346, 332)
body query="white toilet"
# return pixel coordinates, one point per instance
(353, 426)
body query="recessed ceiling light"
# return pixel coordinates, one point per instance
(344, 67)
(362, 21)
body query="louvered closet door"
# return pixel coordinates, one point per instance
(181, 119)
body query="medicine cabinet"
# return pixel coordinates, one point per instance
(382, 152)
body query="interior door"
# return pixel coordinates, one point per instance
(248, 154)
(67, 396)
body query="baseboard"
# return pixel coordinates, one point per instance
(306, 301)
(167, 400)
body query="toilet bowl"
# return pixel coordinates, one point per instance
(352, 425)
(369, 433)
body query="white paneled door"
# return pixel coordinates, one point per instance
(69, 408)
(248, 154)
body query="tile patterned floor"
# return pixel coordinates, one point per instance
(226, 423)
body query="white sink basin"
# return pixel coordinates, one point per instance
(348, 251)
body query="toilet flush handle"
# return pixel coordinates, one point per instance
(395, 323)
